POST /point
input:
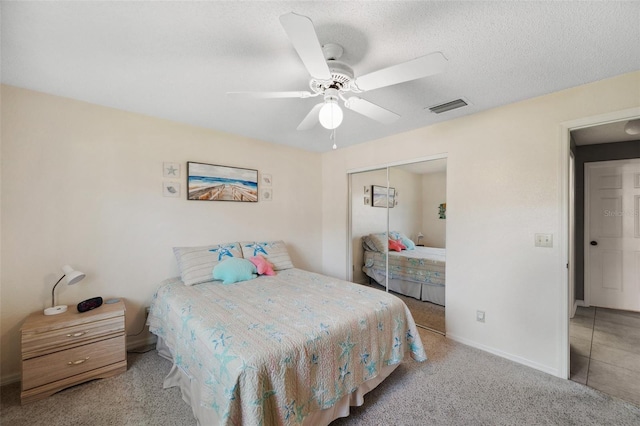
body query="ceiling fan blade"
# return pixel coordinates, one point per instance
(304, 39)
(371, 110)
(272, 95)
(424, 66)
(311, 119)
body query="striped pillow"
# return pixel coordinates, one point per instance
(196, 263)
(274, 251)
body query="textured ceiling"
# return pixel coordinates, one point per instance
(177, 60)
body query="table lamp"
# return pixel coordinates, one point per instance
(73, 277)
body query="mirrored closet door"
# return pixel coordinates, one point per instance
(404, 208)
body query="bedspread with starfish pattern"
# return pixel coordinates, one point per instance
(273, 349)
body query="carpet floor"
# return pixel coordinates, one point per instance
(426, 314)
(458, 385)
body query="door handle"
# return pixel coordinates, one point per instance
(594, 243)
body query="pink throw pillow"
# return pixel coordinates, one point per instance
(263, 266)
(396, 245)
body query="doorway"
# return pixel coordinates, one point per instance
(600, 354)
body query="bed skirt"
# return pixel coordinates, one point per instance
(189, 388)
(434, 293)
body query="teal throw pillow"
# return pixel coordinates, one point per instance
(408, 243)
(234, 270)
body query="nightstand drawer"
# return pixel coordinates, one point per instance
(34, 344)
(61, 365)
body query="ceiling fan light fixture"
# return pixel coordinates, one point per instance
(632, 127)
(330, 114)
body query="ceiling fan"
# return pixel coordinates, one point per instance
(333, 79)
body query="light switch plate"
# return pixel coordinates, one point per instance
(544, 240)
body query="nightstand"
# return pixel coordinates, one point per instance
(60, 351)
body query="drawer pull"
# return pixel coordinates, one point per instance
(78, 334)
(80, 361)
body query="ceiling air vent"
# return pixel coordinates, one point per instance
(439, 109)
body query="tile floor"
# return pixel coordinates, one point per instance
(605, 351)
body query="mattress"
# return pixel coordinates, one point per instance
(276, 350)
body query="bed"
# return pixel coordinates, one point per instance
(289, 349)
(418, 273)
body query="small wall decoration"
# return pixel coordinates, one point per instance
(367, 192)
(210, 182)
(171, 189)
(171, 170)
(380, 198)
(266, 194)
(266, 179)
(442, 211)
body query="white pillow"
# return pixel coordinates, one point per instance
(196, 263)
(274, 251)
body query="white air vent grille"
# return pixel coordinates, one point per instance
(439, 109)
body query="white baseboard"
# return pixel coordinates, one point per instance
(515, 358)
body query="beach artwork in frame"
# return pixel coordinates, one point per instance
(379, 196)
(211, 182)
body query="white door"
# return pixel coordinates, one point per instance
(612, 233)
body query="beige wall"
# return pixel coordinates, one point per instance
(434, 193)
(82, 184)
(504, 184)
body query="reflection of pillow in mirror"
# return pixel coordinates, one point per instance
(367, 244)
(379, 241)
(396, 245)
(399, 236)
(408, 243)
(395, 235)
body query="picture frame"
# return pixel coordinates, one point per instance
(171, 189)
(266, 179)
(171, 170)
(379, 197)
(267, 194)
(212, 182)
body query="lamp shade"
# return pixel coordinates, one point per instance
(330, 114)
(632, 127)
(72, 276)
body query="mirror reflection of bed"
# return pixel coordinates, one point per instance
(416, 213)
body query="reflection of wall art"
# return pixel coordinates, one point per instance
(210, 182)
(171, 170)
(267, 194)
(442, 211)
(380, 199)
(171, 189)
(266, 179)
